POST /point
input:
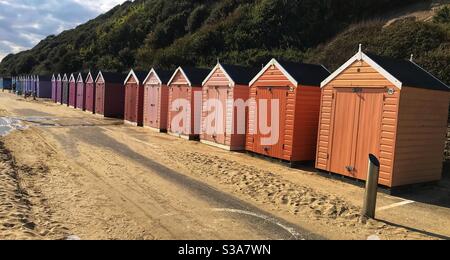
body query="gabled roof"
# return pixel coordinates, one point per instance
(91, 74)
(59, 77)
(163, 76)
(81, 77)
(297, 73)
(65, 77)
(235, 74)
(72, 77)
(399, 72)
(194, 76)
(409, 73)
(111, 77)
(53, 77)
(139, 76)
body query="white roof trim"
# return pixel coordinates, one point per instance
(325, 68)
(129, 76)
(65, 77)
(72, 76)
(278, 65)
(412, 61)
(98, 76)
(149, 74)
(219, 66)
(176, 72)
(59, 77)
(80, 78)
(358, 57)
(53, 77)
(89, 75)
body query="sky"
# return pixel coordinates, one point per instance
(23, 23)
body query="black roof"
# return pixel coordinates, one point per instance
(45, 77)
(164, 75)
(141, 75)
(306, 74)
(196, 75)
(113, 77)
(409, 73)
(94, 74)
(239, 74)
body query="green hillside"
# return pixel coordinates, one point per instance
(144, 33)
(429, 42)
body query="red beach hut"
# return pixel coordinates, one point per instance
(393, 109)
(156, 99)
(134, 98)
(225, 94)
(90, 92)
(110, 94)
(284, 111)
(81, 91)
(72, 90)
(185, 102)
(54, 88)
(59, 89)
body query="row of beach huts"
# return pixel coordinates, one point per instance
(377, 105)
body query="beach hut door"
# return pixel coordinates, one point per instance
(356, 130)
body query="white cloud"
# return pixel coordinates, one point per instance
(23, 23)
(102, 5)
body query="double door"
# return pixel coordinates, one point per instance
(216, 131)
(151, 105)
(356, 130)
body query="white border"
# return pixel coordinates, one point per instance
(80, 78)
(180, 69)
(98, 76)
(129, 76)
(219, 66)
(361, 56)
(278, 65)
(149, 74)
(72, 76)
